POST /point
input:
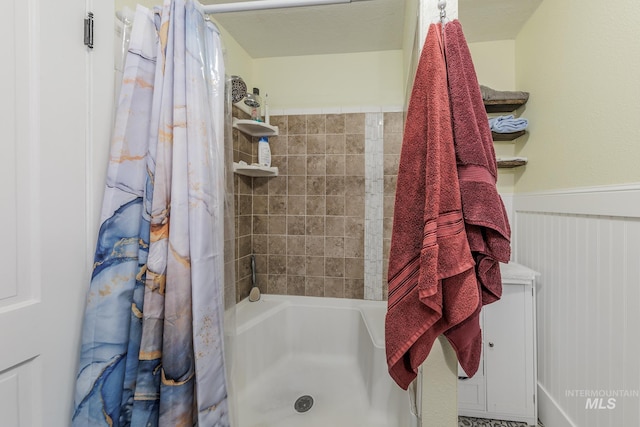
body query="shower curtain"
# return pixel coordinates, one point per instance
(152, 350)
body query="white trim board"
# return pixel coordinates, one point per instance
(332, 110)
(612, 200)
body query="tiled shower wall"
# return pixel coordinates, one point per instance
(306, 226)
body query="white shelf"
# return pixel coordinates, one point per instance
(254, 170)
(254, 128)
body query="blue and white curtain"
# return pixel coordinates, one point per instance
(152, 340)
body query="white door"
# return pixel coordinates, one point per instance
(48, 199)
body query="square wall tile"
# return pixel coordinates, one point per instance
(316, 124)
(316, 144)
(297, 125)
(335, 123)
(354, 123)
(297, 144)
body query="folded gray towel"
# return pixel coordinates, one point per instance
(489, 94)
(507, 124)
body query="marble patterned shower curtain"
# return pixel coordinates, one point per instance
(152, 339)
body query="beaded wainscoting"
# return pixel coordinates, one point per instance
(481, 422)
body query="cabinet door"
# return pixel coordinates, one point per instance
(471, 391)
(508, 352)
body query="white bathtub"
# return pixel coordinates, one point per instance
(330, 349)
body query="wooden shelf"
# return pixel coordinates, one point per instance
(503, 106)
(254, 128)
(507, 136)
(511, 162)
(507, 106)
(255, 170)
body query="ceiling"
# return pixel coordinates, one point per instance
(360, 26)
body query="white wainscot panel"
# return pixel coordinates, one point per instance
(586, 246)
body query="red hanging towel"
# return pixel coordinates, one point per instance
(484, 214)
(432, 282)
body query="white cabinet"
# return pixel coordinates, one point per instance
(504, 387)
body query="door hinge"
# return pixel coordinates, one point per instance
(88, 30)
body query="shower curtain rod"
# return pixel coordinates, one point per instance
(243, 6)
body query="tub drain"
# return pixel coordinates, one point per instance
(303, 403)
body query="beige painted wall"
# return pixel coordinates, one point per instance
(237, 61)
(495, 63)
(580, 59)
(324, 81)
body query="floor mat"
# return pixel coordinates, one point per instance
(482, 422)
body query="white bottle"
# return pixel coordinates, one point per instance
(264, 152)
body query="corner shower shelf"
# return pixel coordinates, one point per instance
(507, 136)
(254, 128)
(511, 162)
(254, 170)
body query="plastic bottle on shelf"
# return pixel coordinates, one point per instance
(264, 152)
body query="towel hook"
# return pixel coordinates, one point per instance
(442, 5)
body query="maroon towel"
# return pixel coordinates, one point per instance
(484, 214)
(432, 282)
